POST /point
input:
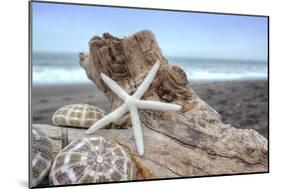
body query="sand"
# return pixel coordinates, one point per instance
(243, 104)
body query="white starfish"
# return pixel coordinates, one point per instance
(131, 104)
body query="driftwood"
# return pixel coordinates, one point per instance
(193, 142)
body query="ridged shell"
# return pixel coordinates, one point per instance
(77, 115)
(92, 160)
(42, 156)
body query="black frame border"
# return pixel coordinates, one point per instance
(30, 49)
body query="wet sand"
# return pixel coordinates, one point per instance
(243, 104)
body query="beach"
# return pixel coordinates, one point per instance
(241, 103)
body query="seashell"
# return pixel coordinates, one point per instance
(77, 115)
(91, 160)
(42, 156)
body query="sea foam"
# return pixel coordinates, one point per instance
(64, 68)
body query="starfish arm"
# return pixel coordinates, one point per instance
(137, 130)
(113, 116)
(114, 87)
(155, 105)
(147, 80)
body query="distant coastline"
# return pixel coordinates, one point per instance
(63, 68)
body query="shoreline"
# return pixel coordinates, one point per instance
(195, 81)
(241, 103)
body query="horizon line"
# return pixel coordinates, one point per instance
(171, 56)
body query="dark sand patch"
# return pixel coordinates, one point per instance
(243, 104)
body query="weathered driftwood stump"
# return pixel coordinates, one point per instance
(193, 142)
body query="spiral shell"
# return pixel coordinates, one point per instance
(77, 115)
(42, 156)
(92, 160)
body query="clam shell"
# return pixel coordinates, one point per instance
(77, 115)
(42, 156)
(91, 160)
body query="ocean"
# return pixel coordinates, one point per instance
(64, 68)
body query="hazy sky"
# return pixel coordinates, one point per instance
(68, 28)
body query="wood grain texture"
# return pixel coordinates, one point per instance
(193, 142)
